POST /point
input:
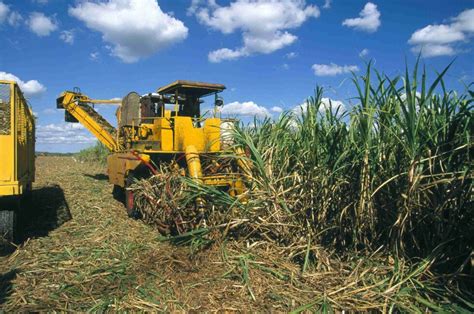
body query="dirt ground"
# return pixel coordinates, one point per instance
(81, 252)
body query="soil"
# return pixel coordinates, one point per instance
(80, 251)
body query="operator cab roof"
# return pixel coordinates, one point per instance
(197, 89)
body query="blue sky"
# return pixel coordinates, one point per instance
(269, 53)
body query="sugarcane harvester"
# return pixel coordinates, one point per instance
(157, 128)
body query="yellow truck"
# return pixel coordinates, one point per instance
(17, 155)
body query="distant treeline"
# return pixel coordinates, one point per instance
(53, 154)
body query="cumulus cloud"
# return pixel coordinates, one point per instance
(364, 53)
(333, 69)
(442, 39)
(63, 133)
(327, 4)
(196, 4)
(50, 111)
(94, 56)
(436, 34)
(4, 10)
(291, 55)
(368, 20)
(264, 24)
(30, 88)
(41, 25)
(219, 55)
(246, 109)
(326, 103)
(15, 19)
(67, 37)
(276, 109)
(135, 28)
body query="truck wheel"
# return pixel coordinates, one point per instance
(8, 225)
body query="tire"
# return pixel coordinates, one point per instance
(130, 198)
(119, 193)
(8, 225)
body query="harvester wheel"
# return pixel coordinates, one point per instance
(130, 199)
(119, 193)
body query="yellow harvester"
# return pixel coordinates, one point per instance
(160, 127)
(17, 155)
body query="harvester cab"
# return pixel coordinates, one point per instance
(170, 119)
(186, 97)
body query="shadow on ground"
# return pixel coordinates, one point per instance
(98, 177)
(44, 211)
(47, 210)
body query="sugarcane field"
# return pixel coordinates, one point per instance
(144, 167)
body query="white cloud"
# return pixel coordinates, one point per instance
(441, 40)
(219, 55)
(94, 56)
(327, 4)
(276, 109)
(50, 111)
(41, 25)
(403, 96)
(14, 19)
(67, 37)
(436, 34)
(135, 28)
(333, 69)
(291, 55)
(195, 5)
(30, 88)
(326, 103)
(368, 20)
(4, 10)
(248, 108)
(464, 21)
(264, 24)
(63, 133)
(364, 52)
(433, 50)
